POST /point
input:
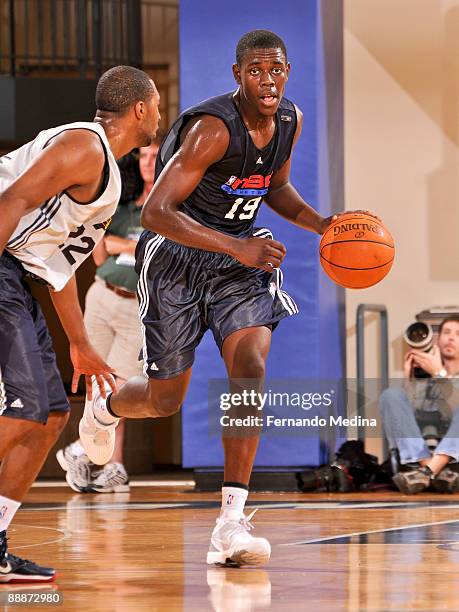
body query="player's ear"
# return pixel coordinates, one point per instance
(237, 74)
(287, 70)
(139, 109)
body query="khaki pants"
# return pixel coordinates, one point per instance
(113, 327)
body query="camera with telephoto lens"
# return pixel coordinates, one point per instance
(420, 337)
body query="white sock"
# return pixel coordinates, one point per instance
(8, 508)
(102, 414)
(233, 502)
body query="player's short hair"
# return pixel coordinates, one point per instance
(258, 39)
(450, 319)
(121, 87)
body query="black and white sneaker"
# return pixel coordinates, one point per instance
(112, 478)
(15, 569)
(77, 467)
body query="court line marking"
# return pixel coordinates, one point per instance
(114, 506)
(65, 535)
(358, 533)
(135, 483)
(211, 504)
(206, 504)
(345, 505)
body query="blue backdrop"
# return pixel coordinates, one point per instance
(311, 344)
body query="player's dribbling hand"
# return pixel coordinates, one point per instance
(88, 363)
(262, 253)
(332, 218)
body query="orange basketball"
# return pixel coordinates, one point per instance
(357, 251)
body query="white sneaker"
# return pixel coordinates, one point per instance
(77, 468)
(97, 439)
(232, 544)
(112, 478)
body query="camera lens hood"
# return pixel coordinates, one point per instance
(419, 335)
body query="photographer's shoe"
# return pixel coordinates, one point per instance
(446, 481)
(413, 482)
(232, 545)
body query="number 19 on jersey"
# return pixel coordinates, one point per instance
(246, 212)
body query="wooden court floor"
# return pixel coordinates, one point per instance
(145, 550)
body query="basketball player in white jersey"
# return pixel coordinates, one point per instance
(57, 195)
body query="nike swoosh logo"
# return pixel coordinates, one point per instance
(6, 569)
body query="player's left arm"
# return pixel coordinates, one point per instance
(84, 358)
(284, 199)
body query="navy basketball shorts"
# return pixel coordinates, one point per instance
(31, 383)
(183, 292)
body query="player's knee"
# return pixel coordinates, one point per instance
(251, 368)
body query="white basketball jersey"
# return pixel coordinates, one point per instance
(54, 239)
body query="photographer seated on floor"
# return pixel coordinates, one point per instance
(431, 385)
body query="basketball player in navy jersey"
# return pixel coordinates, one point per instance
(57, 196)
(203, 265)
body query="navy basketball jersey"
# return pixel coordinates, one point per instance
(229, 195)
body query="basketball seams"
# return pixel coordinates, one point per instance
(390, 246)
(330, 263)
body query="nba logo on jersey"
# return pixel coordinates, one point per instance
(253, 185)
(229, 499)
(3, 511)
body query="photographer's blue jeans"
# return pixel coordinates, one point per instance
(402, 430)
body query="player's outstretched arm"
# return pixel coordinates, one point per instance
(73, 160)
(84, 358)
(204, 144)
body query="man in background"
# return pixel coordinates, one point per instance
(438, 392)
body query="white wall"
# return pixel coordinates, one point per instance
(402, 159)
(402, 154)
